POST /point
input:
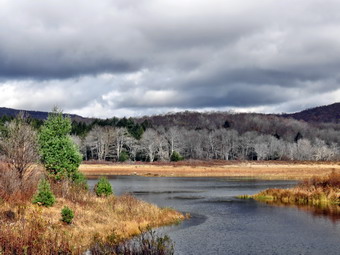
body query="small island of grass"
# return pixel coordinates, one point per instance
(316, 193)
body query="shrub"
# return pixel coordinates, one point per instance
(67, 215)
(175, 156)
(103, 187)
(15, 189)
(124, 156)
(44, 195)
(146, 243)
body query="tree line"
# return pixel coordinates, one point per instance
(204, 136)
(159, 144)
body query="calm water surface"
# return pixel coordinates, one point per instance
(223, 224)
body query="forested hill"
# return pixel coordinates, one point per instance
(328, 113)
(37, 114)
(212, 120)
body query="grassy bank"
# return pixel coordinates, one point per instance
(253, 169)
(320, 195)
(315, 191)
(26, 228)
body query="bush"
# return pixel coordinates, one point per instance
(15, 189)
(44, 195)
(146, 243)
(103, 187)
(123, 156)
(175, 156)
(67, 215)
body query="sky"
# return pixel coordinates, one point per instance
(140, 57)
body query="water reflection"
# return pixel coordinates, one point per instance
(329, 211)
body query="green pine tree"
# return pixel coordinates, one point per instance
(44, 195)
(59, 154)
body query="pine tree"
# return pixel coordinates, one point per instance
(44, 194)
(59, 154)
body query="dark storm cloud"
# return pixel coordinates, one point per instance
(126, 57)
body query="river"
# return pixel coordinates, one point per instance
(223, 224)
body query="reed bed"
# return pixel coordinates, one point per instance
(313, 191)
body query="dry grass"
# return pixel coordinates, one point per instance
(38, 230)
(253, 169)
(318, 195)
(315, 191)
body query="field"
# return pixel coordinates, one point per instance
(261, 169)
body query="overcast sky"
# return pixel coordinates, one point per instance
(135, 57)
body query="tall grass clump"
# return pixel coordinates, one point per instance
(32, 237)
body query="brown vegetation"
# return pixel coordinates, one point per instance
(20, 146)
(40, 231)
(317, 190)
(320, 195)
(222, 168)
(30, 229)
(16, 189)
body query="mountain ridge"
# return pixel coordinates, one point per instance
(324, 114)
(320, 114)
(40, 115)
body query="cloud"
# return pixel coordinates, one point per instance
(131, 57)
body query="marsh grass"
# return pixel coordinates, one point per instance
(275, 170)
(26, 228)
(318, 195)
(314, 191)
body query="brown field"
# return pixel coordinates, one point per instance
(262, 169)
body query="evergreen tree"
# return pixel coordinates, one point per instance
(175, 156)
(103, 187)
(58, 153)
(44, 195)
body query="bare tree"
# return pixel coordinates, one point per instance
(119, 138)
(150, 144)
(173, 137)
(20, 145)
(132, 146)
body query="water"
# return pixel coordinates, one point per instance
(223, 224)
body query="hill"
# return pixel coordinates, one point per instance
(321, 114)
(38, 114)
(209, 120)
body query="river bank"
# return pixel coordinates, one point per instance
(26, 228)
(253, 169)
